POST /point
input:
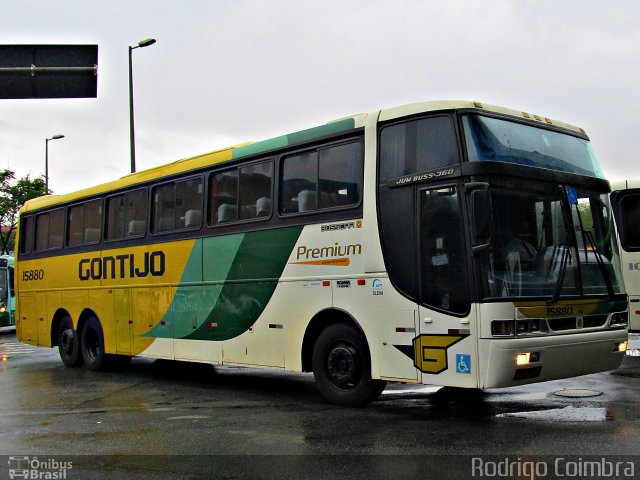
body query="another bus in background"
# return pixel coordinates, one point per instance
(7, 293)
(625, 198)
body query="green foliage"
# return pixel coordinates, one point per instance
(585, 214)
(14, 193)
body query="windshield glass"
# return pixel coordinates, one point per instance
(503, 141)
(550, 241)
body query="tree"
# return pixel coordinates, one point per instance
(13, 195)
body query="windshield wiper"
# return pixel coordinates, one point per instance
(603, 268)
(564, 261)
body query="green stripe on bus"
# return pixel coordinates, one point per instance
(193, 301)
(294, 138)
(259, 147)
(322, 131)
(240, 274)
(252, 280)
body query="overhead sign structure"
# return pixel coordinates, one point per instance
(48, 71)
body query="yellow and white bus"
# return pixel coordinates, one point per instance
(625, 197)
(451, 243)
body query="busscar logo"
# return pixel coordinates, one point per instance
(334, 227)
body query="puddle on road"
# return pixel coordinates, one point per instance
(567, 414)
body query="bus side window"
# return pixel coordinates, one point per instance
(26, 234)
(127, 215)
(49, 230)
(299, 183)
(135, 214)
(417, 146)
(188, 211)
(92, 222)
(255, 190)
(115, 217)
(327, 177)
(223, 197)
(340, 175)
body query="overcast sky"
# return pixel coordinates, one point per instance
(223, 72)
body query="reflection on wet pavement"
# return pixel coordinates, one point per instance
(566, 414)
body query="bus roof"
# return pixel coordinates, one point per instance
(338, 126)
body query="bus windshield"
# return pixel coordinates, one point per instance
(503, 141)
(550, 241)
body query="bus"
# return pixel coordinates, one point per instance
(450, 243)
(625, 198)
(7, 292)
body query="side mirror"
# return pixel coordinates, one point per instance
(480, 216)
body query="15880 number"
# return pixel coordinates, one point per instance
(31, 275)
(559, 311)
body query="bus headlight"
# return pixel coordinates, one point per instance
(525, 327)
(620, 347)
(527, 358)
(502, 328)
(531, 325)
(619, 319)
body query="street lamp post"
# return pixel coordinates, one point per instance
(143, 43)
(46, 159)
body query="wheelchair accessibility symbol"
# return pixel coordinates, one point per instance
(463, 363)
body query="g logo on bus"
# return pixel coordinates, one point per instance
(429, 352)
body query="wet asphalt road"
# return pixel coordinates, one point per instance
(193, 421)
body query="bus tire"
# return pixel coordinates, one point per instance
(69, 344)
(341, 367)
(92, 345)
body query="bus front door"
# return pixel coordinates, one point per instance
(446, 348)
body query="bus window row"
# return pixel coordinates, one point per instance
(316, 179)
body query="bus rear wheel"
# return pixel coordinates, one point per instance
(342, 368)
(69, 344)
(92, 345)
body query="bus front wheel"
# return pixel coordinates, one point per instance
(69, 344)
(92, 345)
(341, 367)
